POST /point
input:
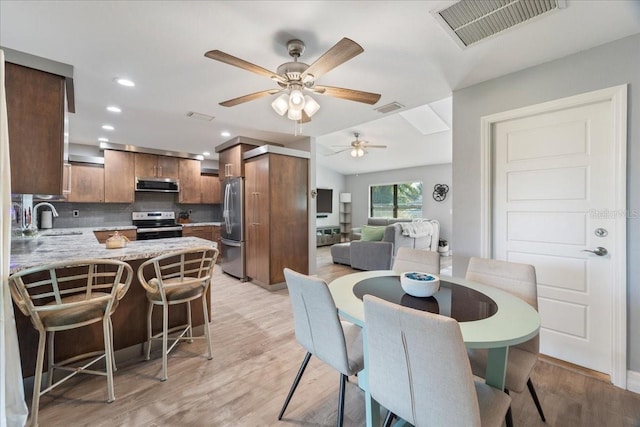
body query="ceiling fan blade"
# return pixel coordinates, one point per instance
(241, 63)
(350, 94)
(247, 98)
(305, 117)
(373, 146)
(340, 53)
(338, 152)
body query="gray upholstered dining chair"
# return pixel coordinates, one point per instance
(409, 259)
(177, 277)
(319, 330)
(69, 295)
(519, 280)
(419, 369)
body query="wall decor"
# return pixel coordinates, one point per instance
(440, 192)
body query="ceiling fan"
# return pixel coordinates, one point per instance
(295, 77)
(358, 147)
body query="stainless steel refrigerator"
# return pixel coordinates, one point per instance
(233, 248)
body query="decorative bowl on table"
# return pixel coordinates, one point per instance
(419, 284)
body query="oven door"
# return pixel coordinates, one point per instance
(158, 233)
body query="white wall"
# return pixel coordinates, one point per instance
(605, 66)
(358, 186)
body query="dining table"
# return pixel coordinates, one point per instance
(489, 317)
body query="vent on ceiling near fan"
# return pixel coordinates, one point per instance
(389, 107)
(469, 21)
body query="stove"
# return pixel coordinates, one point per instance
(156, 225)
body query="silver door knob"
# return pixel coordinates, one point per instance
(600, 251)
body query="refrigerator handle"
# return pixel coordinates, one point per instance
(225, 207)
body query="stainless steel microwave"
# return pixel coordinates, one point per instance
(163, 185)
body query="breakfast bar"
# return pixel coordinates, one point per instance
(129, 320)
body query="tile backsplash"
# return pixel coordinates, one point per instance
(117, 214)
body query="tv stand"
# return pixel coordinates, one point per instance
(327, 235)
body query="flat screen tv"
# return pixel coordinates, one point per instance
(324, 201)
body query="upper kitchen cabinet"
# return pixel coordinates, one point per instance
(230, 155)
(119, 178)
(36, 115)
(87, 183)
(189, 175)
(151, 165)
(210, 187)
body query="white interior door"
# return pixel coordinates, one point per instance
(553, 199)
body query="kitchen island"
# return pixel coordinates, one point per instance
(129, 320)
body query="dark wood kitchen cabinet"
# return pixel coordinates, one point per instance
(151, 165)
(208, 232)
(210, 187)
(189, 175)
(87, 183)
(35, 113)
(276, 216)
(119, 180)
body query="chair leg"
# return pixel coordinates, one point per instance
(108, 353)
(509, 417)
(295, 384)
(51, 358)
(113, 356)
(165, 337)
(37, 383)
(190, 330)
(207, 333)
(343, 383)
(534, 395)
(388, 419)
(149, 329)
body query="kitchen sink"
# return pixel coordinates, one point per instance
(61, 233)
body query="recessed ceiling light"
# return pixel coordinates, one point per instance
(206, 153)
(124, 82)
(103, 139)
(114, 109)
(225, 134)
(107, 127)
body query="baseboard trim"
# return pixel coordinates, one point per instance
(633, 381)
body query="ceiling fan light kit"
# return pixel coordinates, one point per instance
(357, 152)
(281, 104)
(295, 77)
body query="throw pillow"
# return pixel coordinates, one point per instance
(372, 234)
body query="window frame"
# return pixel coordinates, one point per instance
(395, 196)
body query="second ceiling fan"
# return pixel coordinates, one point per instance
(295, 78)
(358, 147)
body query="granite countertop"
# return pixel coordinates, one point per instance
(200, 224)
(71, 244)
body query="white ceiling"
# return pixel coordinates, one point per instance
(408, 58)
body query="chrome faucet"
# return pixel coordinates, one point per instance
(35, 211)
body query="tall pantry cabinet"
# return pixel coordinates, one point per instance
(276, 214)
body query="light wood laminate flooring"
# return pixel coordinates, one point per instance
(256, 357)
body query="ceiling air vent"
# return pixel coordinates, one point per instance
(469, 21)
(389, 107)
(200, 116)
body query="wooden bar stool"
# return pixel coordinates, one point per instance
(68, 295)
(177, 278)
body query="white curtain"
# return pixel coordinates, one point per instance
(13, 408)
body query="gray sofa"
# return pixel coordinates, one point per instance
(379, 255)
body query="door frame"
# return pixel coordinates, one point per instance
(618, 97)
